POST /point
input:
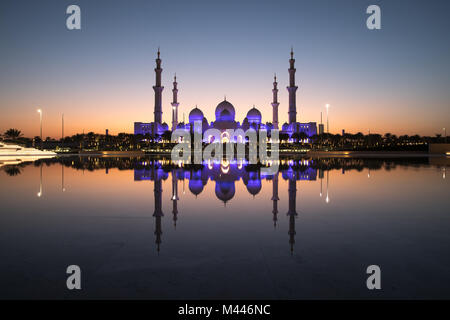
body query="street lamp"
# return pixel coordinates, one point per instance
(320, 187)
(40, 117)
(328, 126)
(445, 135)
(39, 194)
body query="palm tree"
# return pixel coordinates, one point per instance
(13, 133)
(283, 136)
(302, 136)
(296, 136)
(167, 135)
(13, 171)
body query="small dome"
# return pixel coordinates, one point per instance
(195, 115)
(254, 115)
(254, 186)
(196, 186)
(225, 111)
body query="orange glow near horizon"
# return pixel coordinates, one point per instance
(118, 110)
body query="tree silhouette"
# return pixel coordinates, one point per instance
(167, 135)
(302, 136)
(13, 133)
(12, 171)
(283, 136)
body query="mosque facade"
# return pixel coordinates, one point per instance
(225, 114)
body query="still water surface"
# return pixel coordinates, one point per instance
(142, 228)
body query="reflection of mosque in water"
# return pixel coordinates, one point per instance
(225, 175)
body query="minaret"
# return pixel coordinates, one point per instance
(158, 233)
(292, 213)
(158, 91)
(292, 232)
(175, 104)
(275, 103)
(174, 197)
(158, 214)
(292, 90)
(275, 198)
(321, 179)
(63, 188)
(292, 194)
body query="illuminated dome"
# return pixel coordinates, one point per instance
(254, 115)
(196, 186)
(254, 186)
(225, 190)
(225, 111)
(252, 181)
(195, 115)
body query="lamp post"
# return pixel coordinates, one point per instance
(320, 187)
(63, 188)
(40, 118)
(39, 194)
(445, 135)
(328, 126)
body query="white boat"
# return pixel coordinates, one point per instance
(16, 160)
(12, 150)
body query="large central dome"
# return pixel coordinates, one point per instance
(225, 111)
(225, 190)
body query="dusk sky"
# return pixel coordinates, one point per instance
(396, 79)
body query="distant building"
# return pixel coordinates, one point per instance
(321, 128)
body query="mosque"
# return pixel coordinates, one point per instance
(225, 114)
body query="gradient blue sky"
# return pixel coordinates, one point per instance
(396, 79)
